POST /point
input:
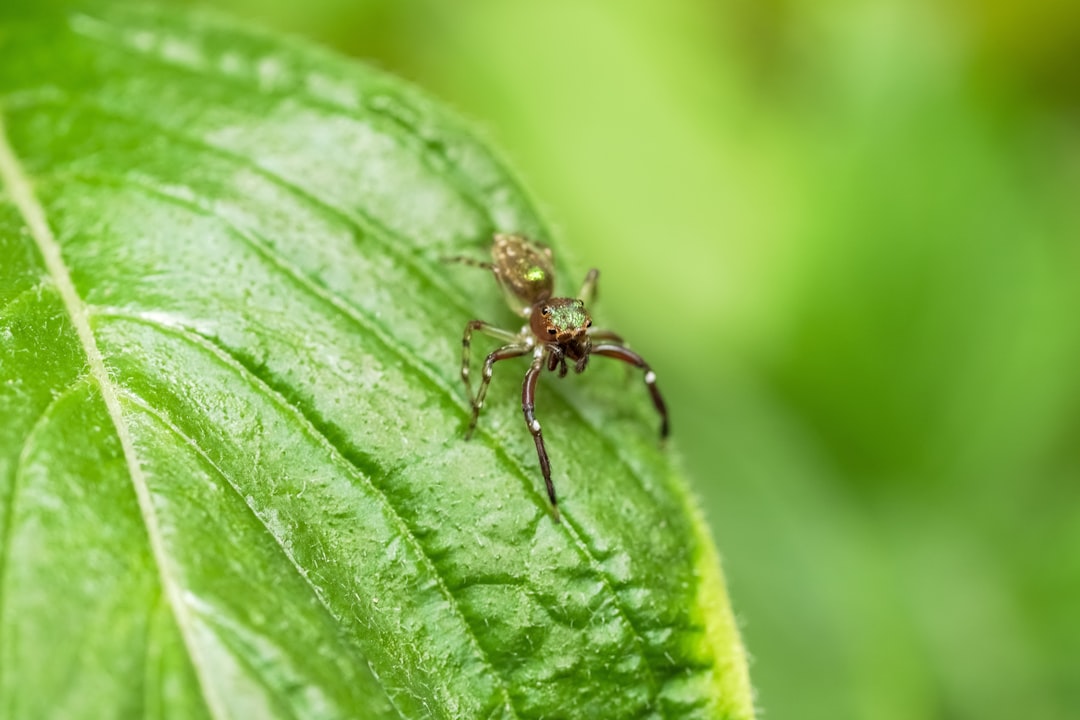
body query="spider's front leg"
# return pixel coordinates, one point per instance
(528, 405)
(625, 354)
(466, 345)
(503, 353)
(514, 348)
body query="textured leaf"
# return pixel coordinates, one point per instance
(233, 478)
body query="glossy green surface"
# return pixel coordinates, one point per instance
(845, 234)
(233, 479)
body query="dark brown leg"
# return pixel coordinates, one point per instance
(471, 262)
(606, 335)
(528, 404)
(466, 343)
(629, 356)
(463, 260)
(506, 351)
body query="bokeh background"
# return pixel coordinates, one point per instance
(847, 235)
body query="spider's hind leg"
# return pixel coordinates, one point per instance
(466, 260)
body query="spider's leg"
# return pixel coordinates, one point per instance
(464, 260)
(506, 351)
(620, 352)
(528, 404)
(612, 337)
(466, 341)
(588, 288)
(605, 335)
(471, 262)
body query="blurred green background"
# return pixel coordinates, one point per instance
(847, 235)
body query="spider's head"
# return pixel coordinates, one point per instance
(563, 322)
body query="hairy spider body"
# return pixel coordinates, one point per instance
(559, 330)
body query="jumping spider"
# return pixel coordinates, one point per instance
(559, 330)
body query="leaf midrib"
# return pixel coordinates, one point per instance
(22, 195)
(314, 431)
(30, 209)
(431, 377)
(368, 325)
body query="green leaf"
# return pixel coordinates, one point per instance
(233, 477)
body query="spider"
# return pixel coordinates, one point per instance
(559, 330)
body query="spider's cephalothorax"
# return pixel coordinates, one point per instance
(559, 330)
(563, 325)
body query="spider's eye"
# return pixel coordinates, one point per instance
(545, 310)
(551, 331)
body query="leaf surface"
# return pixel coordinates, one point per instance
(233, 479)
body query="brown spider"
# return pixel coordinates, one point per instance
(559, 330)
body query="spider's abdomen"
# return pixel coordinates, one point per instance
(524, 270)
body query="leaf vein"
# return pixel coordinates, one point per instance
(6, 531)
(32, 212)
(368, 325)
(260, 385)
(230, 481)
(362, 223)
(22, 296)
(422, 147)
(370, 227)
